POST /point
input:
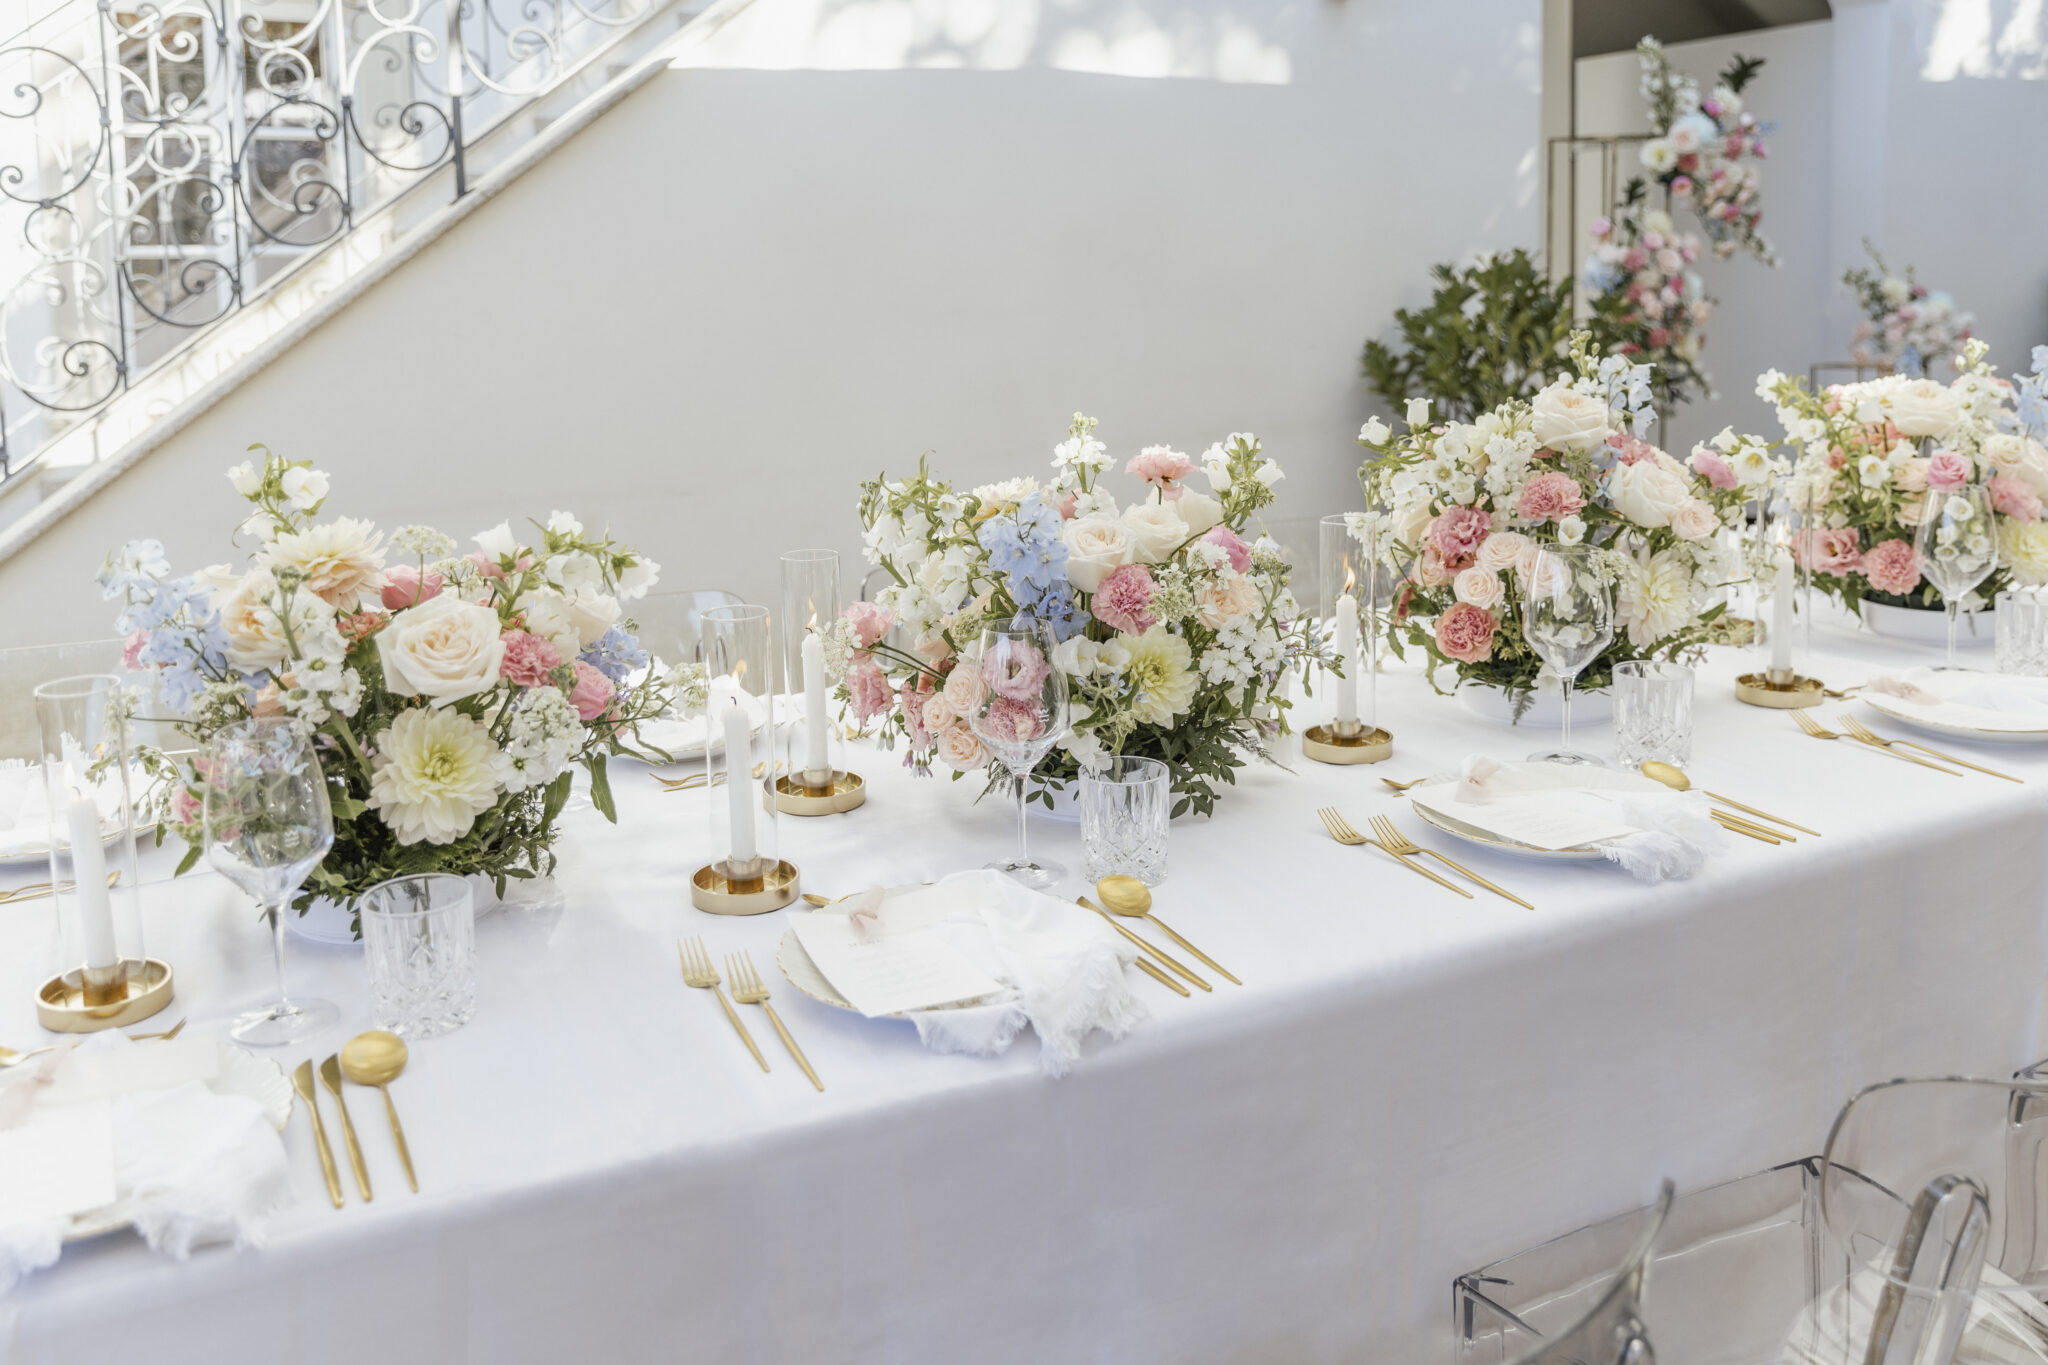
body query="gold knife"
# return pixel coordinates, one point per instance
(1143, 945)
(330, 1076)
(302, 1081)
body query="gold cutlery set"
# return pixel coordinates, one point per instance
(1857, 732)
(1407, 852)
(1129, 898)
(372, 1060)
(37, 890)
(9, 1057)
(1756, 828)
(747, 988)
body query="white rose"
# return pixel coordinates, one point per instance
(547, 615)
(444, 648)
(1923, 407)
(1695, 520)
(248, 614)
(246, 478)
(2019, 456)
(1647, 494)
(498, 543)
(304, 488)
(592, 614)
(1418, 412)
(1502, 550)
(1156, 531)
(1479, 586)
(1095, 546)
(1198, 510)
(1565, 419)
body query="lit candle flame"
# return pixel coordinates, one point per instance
(1350, 578)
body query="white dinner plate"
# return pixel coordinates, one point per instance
(241, 1073)
(802, 973)
(1556, 776)
(39, 856)
(1459, 830)
(1934, 722)
(683, 737)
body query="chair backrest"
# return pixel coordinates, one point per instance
(670, 624)
(24, 669)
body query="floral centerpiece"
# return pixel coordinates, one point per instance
(1174, 618)
(1872, 453)
(449, 695)
(1905, 325)
(1470, 506)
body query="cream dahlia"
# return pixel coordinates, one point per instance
(435, 771)
(1161, 668)
(343, 560)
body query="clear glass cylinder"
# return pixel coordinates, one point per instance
(742, 854)
(1124, 814)
(814, 754)
(1784, 581)
(1350, 585)
(1652, 712)
(86, 783)
(419, 948)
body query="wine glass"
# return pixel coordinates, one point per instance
(1021, 715)
(1957, 546)
(267, 822)
(1567, 618)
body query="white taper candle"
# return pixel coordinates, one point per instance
(89, 870)
(1347, 655)
(817, 759)
(740, 793)
(1781, 619)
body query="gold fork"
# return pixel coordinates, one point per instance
(37, 890)
(748, 990)
(1340, 829)
(1819, 731)
(1403, 786)
(698, 972)
(1858, 730)
(1398, 843)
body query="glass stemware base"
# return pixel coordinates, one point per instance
(287, 1021)
(1032, 872)
(1568, 756)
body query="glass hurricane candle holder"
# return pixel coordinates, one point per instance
(1784, 586)
(101, 978)
(814, 778)
(745, 874)
(1352, 580)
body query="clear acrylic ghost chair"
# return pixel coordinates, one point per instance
(671, 623)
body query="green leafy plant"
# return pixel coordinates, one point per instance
(1490, 332)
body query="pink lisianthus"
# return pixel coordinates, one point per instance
(529, 659)
(1123, 600)
(1631, 449)
(868, 622)
(1835, 552)
(1551, 497)
(405, 586)
(1465, 633)
(490, 568)
(1163, 468)
(2011, 497)
(1892, 566)
(1233, 545)
(868, 687)
(186, 808)
(1016, 669)
(1947, 469)
(1457, 532)
(1708, 464)
(592, 692)
(1011, 722)
(131, 649)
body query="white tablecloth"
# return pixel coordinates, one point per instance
(1408, 1085)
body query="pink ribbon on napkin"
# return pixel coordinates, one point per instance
(866, 917)
(1903, 690)
(1472, 775)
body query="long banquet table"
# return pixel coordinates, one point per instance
(1409, 1084)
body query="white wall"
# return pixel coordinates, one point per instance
(706, 318)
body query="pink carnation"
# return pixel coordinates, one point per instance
(1457, 531)
(1016, 669)
(529, 659)
(1708, 464)
(868, 686)
(910, 698)
(1239, 552)
(404, 586)
(1892, 566)
(1122, 602)
(1162, 467)
(1947, 469)
(1835, 552)
(1465, 633)
(1551, 497)
(868, 622)
(2011, 497)
(592, 692)
(1009, 722)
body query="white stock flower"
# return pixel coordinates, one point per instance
(544, 735)
(304, 488)
(435, 771)
(445, 649)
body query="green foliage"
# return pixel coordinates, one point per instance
(1490, 332)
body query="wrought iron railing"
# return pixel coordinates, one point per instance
(163, 165)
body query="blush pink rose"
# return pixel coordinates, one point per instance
(2011, 497)
(404, 586)
(1892, 566)
(1465, 633)
(592, 692)
(529, 659)
(1430, 569)
(1947, 469)
(1912, 476)
(1708, 464)
(1123, 601)
(868, 622)
(1457, 531)
(1551, 497)
(1829, 551)
(960, 748)
(1232, 545)
(868, 687)
(1163, 468)
(965, 690)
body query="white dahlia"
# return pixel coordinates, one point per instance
(1162, 672)
(435, 771)
(1655, 600)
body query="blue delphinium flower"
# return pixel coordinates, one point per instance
(616, 654)
(182, 636)
(1060, 612)
(1599, 277)
(2030, 408)
(1025, 546)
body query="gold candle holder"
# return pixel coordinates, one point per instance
(794, 796)
(88, 999)
(715, 891)
(1326, 744)
(1786, 692)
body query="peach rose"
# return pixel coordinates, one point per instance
(1430, 569)
(1226, 597)
(1480, 586)
(938, 713)
(961, 749)
(1694, 520)
(965, 691)
(1502, 550)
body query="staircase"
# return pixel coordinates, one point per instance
(188, 189)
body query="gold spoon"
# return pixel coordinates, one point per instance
(376, 1058)
(1679, 782)
(1130, 897)
(1403, 786)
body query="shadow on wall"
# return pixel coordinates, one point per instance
(1983, 40)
